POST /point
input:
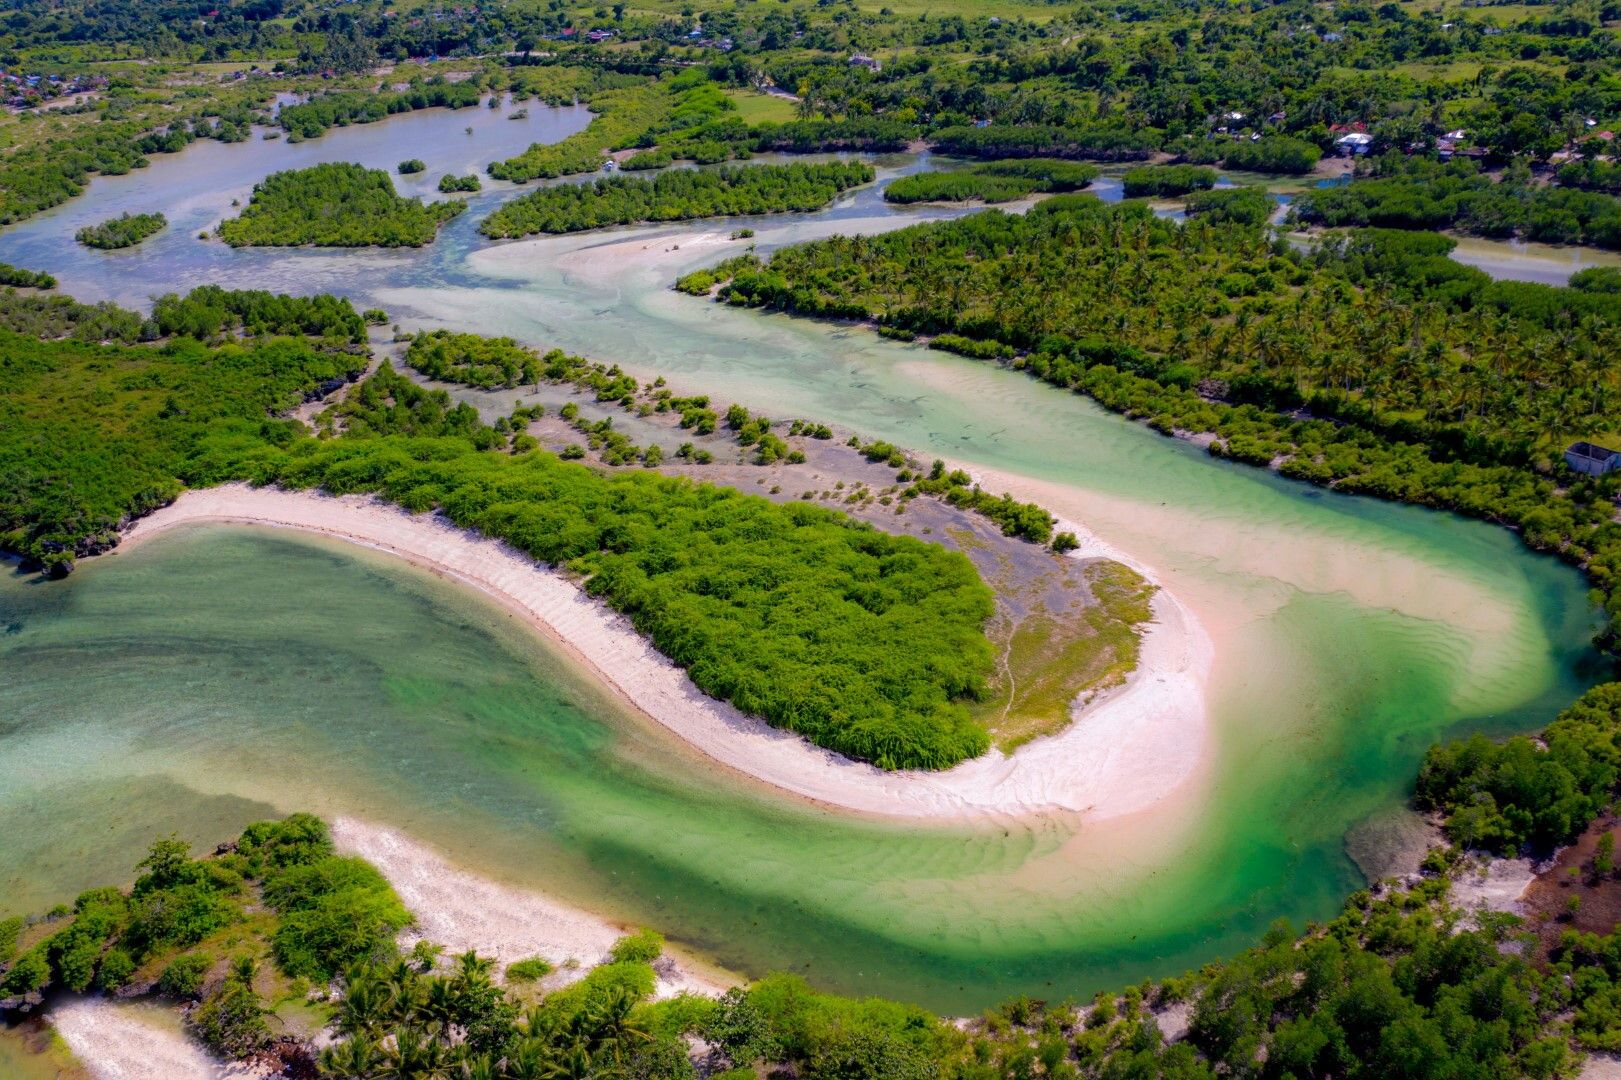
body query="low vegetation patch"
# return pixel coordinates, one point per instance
(675, 195)
(17, 277)
(1167, 180)
(335, 205)
(124, 231)
(992, 182)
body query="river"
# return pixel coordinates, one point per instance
(221, 674)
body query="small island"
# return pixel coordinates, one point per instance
(451, 184)
(1167, 181)
(676, 195)
(335, 205)
(993, 181)
(123, 231)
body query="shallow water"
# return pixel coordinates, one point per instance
(220, 674)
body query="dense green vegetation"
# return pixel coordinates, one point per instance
(1404, 193)
(866, 643)
(1376, 366)
(411, 166)
(992, 182)
(210, 313)
(309, 120)
(1240, 206)
(1525, 794)
(623, 113)
(1275, 154)
(473, 360)
(123, 231)
(1101, 143)
(18, 278)
(449, 184)
(1167, 180)
(675, 195)
(863, 642)
(280, 888)
(335, 205)
(1399, 984)
(92, 435)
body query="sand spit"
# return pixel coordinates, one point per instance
(462, 911)
(133, 1042)
(1126, 751)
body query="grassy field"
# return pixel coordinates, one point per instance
(757, 108)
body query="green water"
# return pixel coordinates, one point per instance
(219, 675)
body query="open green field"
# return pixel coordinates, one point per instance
(757, 108)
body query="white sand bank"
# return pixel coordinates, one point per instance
(462, 911)
(1123, 754)
(135, 1042)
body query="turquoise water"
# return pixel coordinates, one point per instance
(221, 674)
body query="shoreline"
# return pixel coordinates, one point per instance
(463, 911)
(1126, 751)
(452, 907)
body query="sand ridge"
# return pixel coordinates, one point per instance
(1126, 751)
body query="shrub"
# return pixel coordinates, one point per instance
(642, 947)
(124, 231)
(183, 977)
(530, 970)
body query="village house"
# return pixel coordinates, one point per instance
(1589, 459)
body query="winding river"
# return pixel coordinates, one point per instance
(219, 674)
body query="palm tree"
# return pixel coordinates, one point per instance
(355, 1058)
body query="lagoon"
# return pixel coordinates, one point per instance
(222, 674)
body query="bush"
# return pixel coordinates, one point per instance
(412, 165)
(642, 947)
(1167, 180)
(530, 970)
(231, 1021)
(333, 912)
(17, 277)
(124, 231)
(468, 183)
(1273, 154)
(183, 978)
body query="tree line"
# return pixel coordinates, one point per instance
(992, 182)
(1413, 193)
(1369, 366)
(675, 195)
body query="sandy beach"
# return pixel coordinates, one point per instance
(134, 1042)
(1126, 751)
(461, 911)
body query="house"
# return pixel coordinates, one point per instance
(1591, 460)
(1358, 142)
(863, 60)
